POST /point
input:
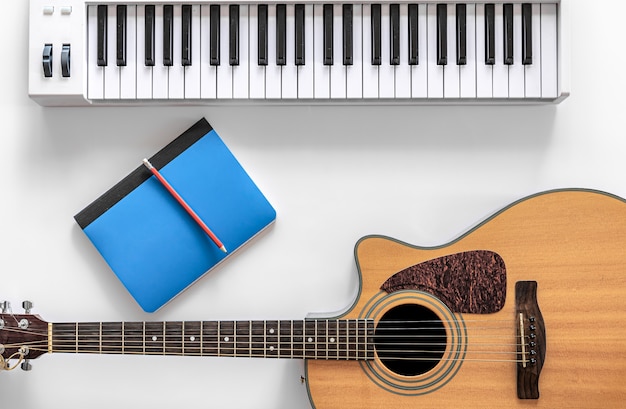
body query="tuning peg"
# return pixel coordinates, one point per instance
(26, 366)
(27, 305)
(6, 306)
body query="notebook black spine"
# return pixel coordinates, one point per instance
(99, 206)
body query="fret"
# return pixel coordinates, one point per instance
(352, 339)
(143, 337)
(258, 341)
(226, 341)
(370, 342)
(309, 339)
(285, 339)
(342, 340)
(100, 342)
(210, 334)
(87, 337)
(321, 343)
(154, 338)
(173, 342)
(133, 338)
(298, 339)
(201, 338)
(242, 337)
(111, 337)
(271, 339)
(192, 338)
(331, 333)
(182, 339)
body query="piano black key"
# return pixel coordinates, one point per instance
(442, 34)
(299, 15)
(413, 36)
(527, 34)
(490, 40)
(168, 35)
(348, 35)
(461, 34)
(149, 36)
(376, 45)
(186, 35)
(233, 41)
(328, 34)
(508, 34)
(214, 49)
(121, 35)
(394, 13)
(262, 34)
(281, 34)
(102, 35)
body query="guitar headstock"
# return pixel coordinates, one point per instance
(22, 336)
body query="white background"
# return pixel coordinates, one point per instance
(420, 174)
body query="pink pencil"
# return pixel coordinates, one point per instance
(184, 204)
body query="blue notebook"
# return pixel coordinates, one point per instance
(150, 242)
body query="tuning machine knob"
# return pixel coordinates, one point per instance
(26, 366)
(5, 306)
(27, 305)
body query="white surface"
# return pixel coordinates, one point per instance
(420, 174)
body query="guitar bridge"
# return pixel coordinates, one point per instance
(531, 340)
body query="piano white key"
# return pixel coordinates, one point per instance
(337, 70)
(403, 71)
(257, 72)
(468, 71)
(549, 84)
(516, 71)
(176, 82)
(451, 71)
(305, 72)
(192, 72)
(386, 77)
(273, 72)
(208, 72)
(289, 71)
(500, 70)
(95, 74)
(160, 73)
(354, 72)
(484, 72)
(241, 73)
(128, 73)
(419, 72)
(532, 72)
(112, 71)
(224, 70)
(370, 72)
(435, 72)
(321, 72)
(144, 73)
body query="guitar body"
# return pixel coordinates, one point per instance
(572, 243)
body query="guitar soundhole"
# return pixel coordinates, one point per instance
(410, 339)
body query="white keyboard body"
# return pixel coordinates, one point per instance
(63, 69)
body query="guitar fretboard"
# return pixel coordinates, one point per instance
(308, 339)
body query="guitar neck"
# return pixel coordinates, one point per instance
(308, 339)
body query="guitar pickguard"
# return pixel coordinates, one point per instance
(467, 282)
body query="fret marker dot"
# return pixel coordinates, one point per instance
(226, 339)
(271, 348)
(271, 330)
(332, 340)
(310, 339)
(192, 338)
(154, 338)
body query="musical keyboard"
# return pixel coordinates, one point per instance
(370, 52)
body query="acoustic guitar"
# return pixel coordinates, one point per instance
(527, 309)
